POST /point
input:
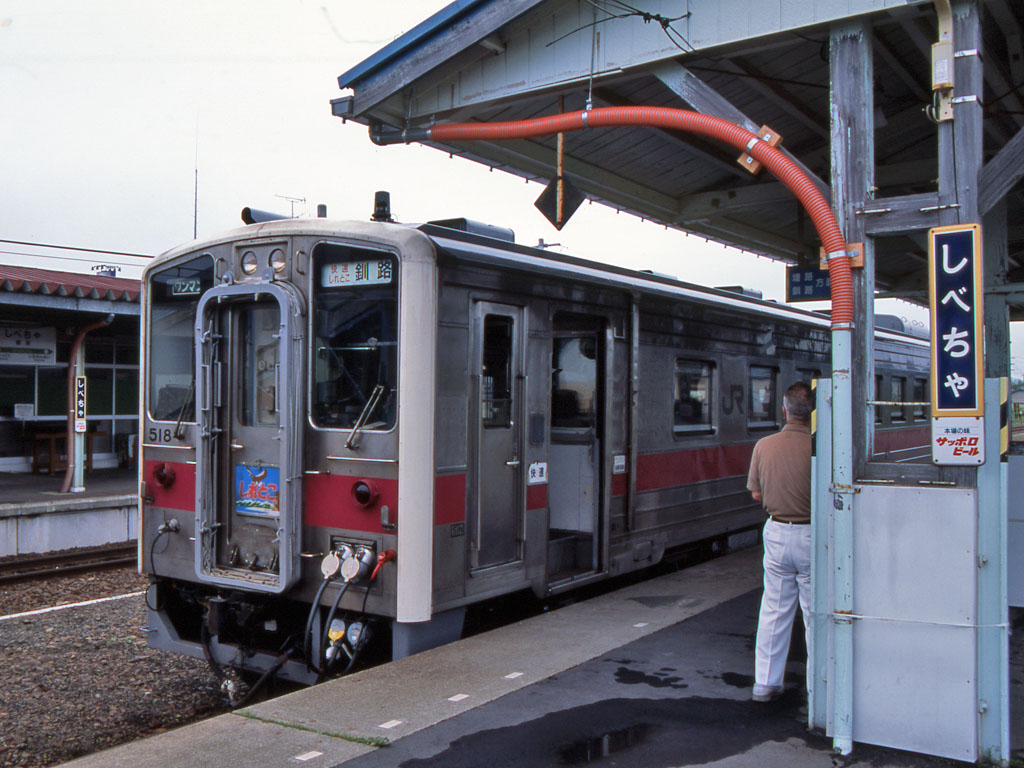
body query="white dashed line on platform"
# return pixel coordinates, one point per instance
(390, 724)
(513, 675)
(458, 697)
(307, 756)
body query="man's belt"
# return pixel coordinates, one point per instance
(789, 522)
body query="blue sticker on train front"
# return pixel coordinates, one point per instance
(256, 490)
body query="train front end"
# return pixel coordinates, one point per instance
(279, 447)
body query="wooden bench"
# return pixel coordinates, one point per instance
(53, 441)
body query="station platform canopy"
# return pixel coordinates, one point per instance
(752, 63)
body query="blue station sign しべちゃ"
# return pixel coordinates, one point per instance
(954, 270)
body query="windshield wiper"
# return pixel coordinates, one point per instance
(179, 427)
(368, 409)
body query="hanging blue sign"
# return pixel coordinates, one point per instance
(955, 300)
(807, 284)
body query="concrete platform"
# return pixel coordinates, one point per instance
(36, 517)
(655, 674)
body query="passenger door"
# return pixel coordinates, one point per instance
(574, 466)
(496, 519)
(248, 473)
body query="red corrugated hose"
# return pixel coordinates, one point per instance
(692, 122)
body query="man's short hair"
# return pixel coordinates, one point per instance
(799, 401)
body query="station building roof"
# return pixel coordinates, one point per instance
(751, 62)
(45, 289)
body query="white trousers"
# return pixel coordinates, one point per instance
(787, 575)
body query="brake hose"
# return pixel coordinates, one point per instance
(384, 557)
(330, 568)
(324, 635)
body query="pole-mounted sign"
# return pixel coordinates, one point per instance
(955, 300)
(79, 403)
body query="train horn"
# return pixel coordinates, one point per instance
(256, 216)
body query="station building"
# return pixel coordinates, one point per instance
(41, 313)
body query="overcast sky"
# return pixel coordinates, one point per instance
(110, 106)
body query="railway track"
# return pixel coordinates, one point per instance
(61, 563)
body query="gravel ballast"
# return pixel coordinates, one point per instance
(82, 679)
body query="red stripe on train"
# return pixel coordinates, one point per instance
(180, 493)
(449, 499)
(901, 439)
(329, 502)
(620, 484)
(537, 496)
(655, 471)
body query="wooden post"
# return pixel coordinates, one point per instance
(853, 186)
(853, 167)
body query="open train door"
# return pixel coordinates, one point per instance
(575, 459)
(249, 460)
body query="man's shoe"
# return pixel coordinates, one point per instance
(766, 692)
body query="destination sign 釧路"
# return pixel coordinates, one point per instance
(374, 272)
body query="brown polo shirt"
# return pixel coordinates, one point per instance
(780, 470)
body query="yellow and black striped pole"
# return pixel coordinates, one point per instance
(1004, 416)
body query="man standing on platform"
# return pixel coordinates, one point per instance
(780, 478)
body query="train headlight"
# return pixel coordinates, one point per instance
(249, 262)
(278, 260)
(365, 492)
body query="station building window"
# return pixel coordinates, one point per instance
(763, 405)
(17, 385)
(33, 397)
(692, 401)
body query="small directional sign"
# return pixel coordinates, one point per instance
(807, 284)
(559, 201)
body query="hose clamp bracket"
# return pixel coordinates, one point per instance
(854, 251)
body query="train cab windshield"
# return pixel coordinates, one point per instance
(174, 296)
(355, 338)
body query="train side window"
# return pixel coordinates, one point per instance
(878, 396)
(920, 396)
(496, 376)
(692, 400)
(763, 397)
(898, 390)
(574, 383)
(175, 293)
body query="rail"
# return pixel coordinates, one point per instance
(57, 564)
